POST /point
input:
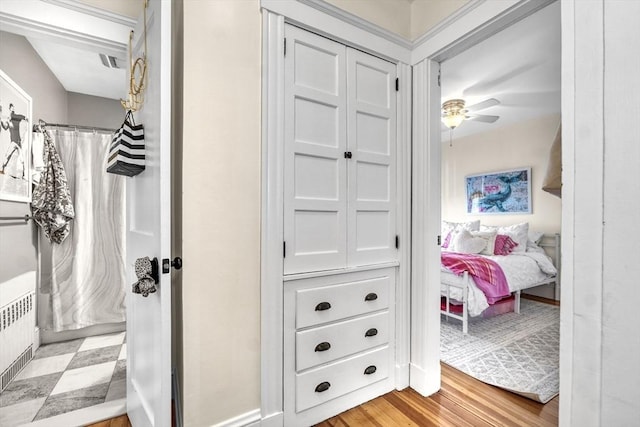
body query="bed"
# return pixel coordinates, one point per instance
(462, 292)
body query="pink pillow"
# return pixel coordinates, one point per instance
(447, 240)
(504, 245)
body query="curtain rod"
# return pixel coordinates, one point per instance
(25, 218)
(72, 126)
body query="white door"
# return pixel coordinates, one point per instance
(148, 233)
(315, 213)
(371, 123)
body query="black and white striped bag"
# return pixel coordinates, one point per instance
(126, 153)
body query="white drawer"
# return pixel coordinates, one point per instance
(327, 343)
(329, 303)
(340, 378)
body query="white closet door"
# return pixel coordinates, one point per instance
(315, 200)
(371, 118)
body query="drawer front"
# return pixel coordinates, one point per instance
(323, 384)
(325, 344)
(329, 303)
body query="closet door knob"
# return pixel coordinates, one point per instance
(322, 387)
(371, 297)
(370, 370)
(323, 346)
(371, 332)
(323, 306)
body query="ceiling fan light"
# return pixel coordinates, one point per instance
(452, 121)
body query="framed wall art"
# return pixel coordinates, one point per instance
(15, 141)
(504, 192)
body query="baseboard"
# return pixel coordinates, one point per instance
(243, 420)
(425, 383)
(273, 420)
(402, 376)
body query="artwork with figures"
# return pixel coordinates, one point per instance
(15, 141)
(504, 192)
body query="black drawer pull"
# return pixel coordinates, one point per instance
(370, 370)
(371, 297)
(323, 306)
(323, 346)
(371, 332)
(324, 386)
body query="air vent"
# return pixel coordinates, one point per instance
(109, 61)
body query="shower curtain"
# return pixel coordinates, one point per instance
(87, 268)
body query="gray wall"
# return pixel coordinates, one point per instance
(18, 247)
(52, 103)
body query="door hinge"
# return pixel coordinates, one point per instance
(439, 77)
(438, 240)
(348, 154)
(397, 242)
(285, 47)
(284, 249)
(397, 84)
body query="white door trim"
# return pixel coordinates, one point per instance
(473, 26)
(272, 212)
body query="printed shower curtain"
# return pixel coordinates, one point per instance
(88, 268)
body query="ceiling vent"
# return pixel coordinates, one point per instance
(109, 61)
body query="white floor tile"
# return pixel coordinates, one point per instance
(20, 413)
(123, 352)
(45, 366)
(87, 376)
(102, 341)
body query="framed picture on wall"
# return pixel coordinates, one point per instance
(15, 141)
(504, 192)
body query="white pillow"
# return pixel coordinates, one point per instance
(490, 239)
(519, 233)
(450, 229)
(464, 242)
(535, 236)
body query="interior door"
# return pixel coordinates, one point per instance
(315, 214)
(148, 232)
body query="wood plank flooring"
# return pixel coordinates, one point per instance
(462, 401)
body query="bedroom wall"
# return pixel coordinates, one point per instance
(525, 144)
(18, 246)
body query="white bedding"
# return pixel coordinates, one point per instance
(522, 270)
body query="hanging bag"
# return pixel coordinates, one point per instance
(126, 153)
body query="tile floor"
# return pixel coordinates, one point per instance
(64, 377)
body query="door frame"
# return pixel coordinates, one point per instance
(473, 23)
(329, 21)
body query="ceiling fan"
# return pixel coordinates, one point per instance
(454, 112)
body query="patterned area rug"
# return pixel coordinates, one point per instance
(516, 352)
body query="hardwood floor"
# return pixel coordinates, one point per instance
(121, 421)
(462, 401)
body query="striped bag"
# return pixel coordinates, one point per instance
(126, 153)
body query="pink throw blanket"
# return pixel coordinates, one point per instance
(487, 274)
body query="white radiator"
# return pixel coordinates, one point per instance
(17, 325)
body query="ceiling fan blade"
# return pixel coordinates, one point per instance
(484, 104)
(483, 118)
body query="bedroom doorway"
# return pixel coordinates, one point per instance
(494, 165)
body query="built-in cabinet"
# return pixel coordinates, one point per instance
(340, 244)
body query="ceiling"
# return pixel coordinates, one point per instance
(80, 70)
(519, 66)
(70, 35)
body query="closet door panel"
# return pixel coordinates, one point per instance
(315, 209)
(371, 118)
